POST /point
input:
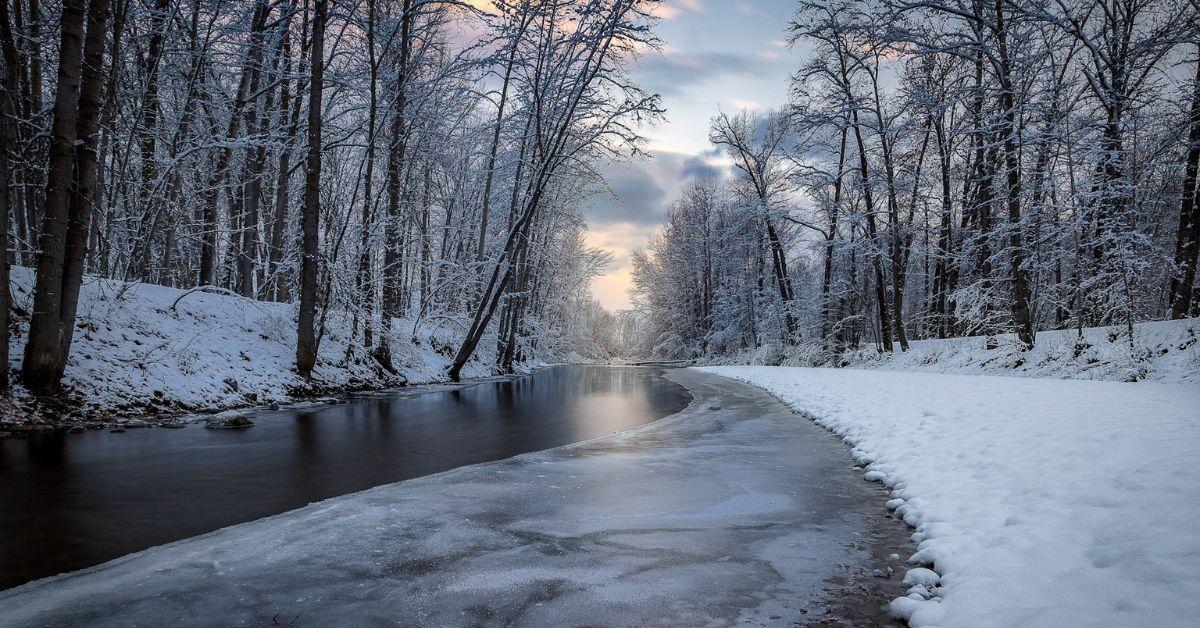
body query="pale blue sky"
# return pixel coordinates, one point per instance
(717, 55)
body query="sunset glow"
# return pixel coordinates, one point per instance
(716, 56)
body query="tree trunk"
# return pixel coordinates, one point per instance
(393, 250)
(827, 276)
(1021, 316)
(10, 200)
(209, 195)
(306, 338)
(423, 225)
(782, 279)
(1188, 241)
(885, 319)
(895, 246)
(257, 122)
(275, 267)
(147, 136)
(8, 140)
(363, 283)
(945, 242)
(69, 195)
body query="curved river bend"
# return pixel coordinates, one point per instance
(69, 501)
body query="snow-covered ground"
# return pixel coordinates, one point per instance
(141, 350)
(1037, 502)
(730, 512)
(1165, 351)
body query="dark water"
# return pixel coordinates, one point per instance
(69, 501)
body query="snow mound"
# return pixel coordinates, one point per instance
(1035, 502)
(144, 349)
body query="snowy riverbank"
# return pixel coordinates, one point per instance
(1164, 351)
(1037, 502)
(145, 351)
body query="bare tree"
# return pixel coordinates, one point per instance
(575, 112)
(757, 151)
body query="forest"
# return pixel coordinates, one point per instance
(944, 168)
(367, 161)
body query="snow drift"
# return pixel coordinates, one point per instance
(142, 349)
(1165, 351)
(1036, 502)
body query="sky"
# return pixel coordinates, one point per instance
(717, 55)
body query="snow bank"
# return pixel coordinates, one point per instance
(1038, 502)
(1165, 351)
(145, 349)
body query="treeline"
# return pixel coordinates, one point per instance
(946, 168)
(416, 159)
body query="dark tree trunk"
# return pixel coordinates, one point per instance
(827, 310)
(32, 176)
(258, 122)
(945, 242)
(69, 195)
(8, 140)
(1021, 316)
(281, 284)
(306, 337)
(885, 319)
(209, 196)
(782, 279)
(147, 136)
(41, 357)
(11, 74)
(1188, 242)
(393, 248)
(896, 248)
(363, 283)
(426, 254)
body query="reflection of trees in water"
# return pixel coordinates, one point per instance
(154, 486)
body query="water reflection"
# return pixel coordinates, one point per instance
(70, 501)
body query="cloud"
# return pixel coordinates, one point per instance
(750, 9)
(674, 8)
(643, 190)
(697, 167)
(745, 104)
(674, 71)
(639, 197)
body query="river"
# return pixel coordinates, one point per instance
(69, 501)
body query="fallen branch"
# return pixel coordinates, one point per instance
(207, 288)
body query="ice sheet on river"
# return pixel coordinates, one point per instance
(735, 509)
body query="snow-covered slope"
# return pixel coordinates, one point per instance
(1165, 351)
(1038, 502)
(144, 349)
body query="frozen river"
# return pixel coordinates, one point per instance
(69, 501)
(733, 510)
